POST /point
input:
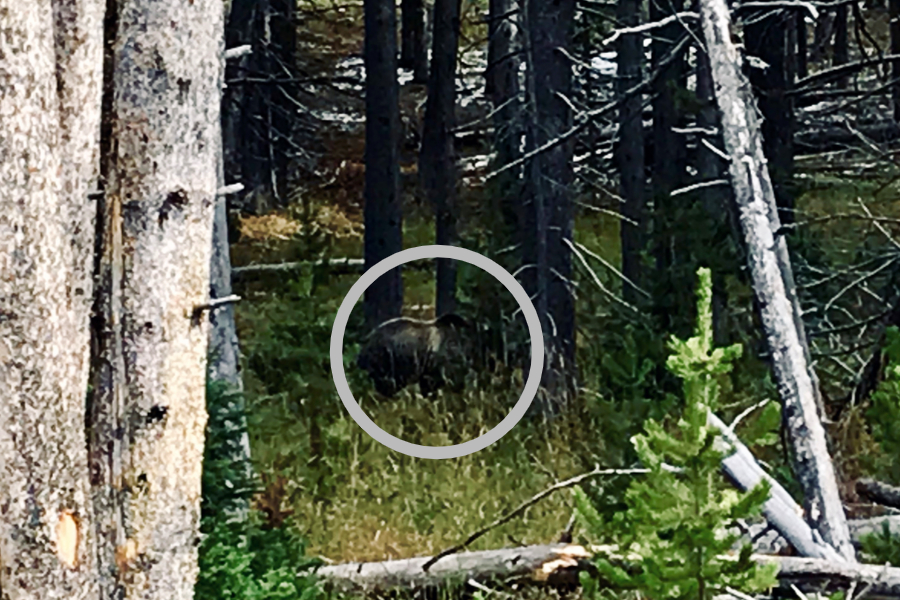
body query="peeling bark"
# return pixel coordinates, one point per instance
(49, 155)
(162, 191)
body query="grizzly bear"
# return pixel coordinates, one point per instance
(434, 354)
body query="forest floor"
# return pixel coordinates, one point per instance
(354, 499)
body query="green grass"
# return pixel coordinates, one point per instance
(354, 499)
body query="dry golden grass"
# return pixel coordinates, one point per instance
(329, 220)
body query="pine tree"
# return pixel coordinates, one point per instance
(676, 519)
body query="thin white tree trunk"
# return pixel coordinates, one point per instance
(767, 261)
(46, 542)
(166, 136)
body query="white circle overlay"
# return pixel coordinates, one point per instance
(531, 384)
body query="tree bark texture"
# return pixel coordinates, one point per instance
(45, 524)
(754, 197)
(79, 75)
(549, 30)
(162, 192)
(437, 159)
(413, 53)
(630, 151)
(383, 214)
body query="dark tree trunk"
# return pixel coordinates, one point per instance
(551, 175)
(630, 151)
(766, 39)
(383, 213)
(894, 11)
(841, 55)
(802, 51)
(237, 33)
(258, 119)
(437, 160)
(502, 83)
(667, 170)
(244, 140)
(413, 53)
(716, 200)
(822, 35)
(282, 65)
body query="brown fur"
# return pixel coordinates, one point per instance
(404, 351)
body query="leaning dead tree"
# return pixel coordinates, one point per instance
(773, 280)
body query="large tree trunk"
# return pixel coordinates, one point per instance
(160, 203)
(551, 175)
(383, 212)
(413, 53)
(772, 279)
(437, 161)
(49, 116)
(630, 151)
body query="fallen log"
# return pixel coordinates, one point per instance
(879, 492)
(349, 264)
(767, 540)
(780, 510)
(560, 564)
(555, 564)
(812, 573)
(338, 265)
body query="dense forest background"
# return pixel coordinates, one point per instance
(578, 145)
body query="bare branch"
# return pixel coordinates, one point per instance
(699, 186)
(238, 51)
(691, 16)
(568, 483)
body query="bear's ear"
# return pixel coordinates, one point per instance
(451, 320)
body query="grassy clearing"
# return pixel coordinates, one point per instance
(354, 499)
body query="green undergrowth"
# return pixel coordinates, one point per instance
(354, 499)
(668, 528)
(243, 558)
